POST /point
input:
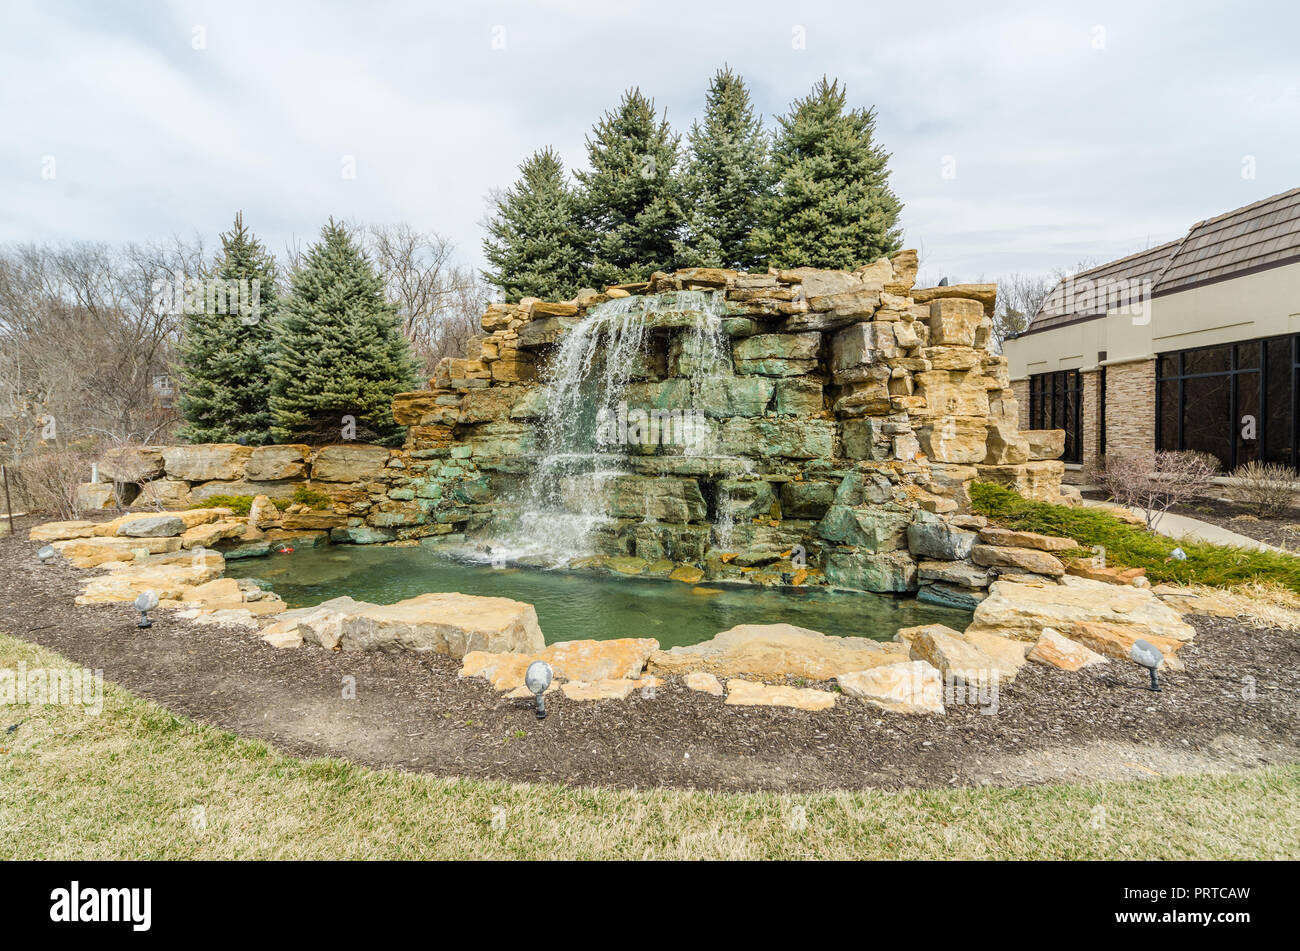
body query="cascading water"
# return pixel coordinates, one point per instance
(584, 434)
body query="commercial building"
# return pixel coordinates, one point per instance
(1194, 344)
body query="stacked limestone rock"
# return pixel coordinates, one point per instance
(844, 429)
(859, 408)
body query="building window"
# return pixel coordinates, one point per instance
(1236, 401)
(1056, 402)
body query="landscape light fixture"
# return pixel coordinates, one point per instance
(144, 603)
(537, 678)
(46, 554)
(1147, 655)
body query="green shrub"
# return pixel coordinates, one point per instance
(1133, 546)
(311, 498)
(239, 504)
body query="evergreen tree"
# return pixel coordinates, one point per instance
(226, 345)
(832, 206)
(726, 178)
(534, 243)
(631, 202)
(339, 348)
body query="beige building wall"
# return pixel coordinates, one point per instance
(1264, 304)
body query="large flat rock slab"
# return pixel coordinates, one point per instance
(1091, 612)
(587, 660)
(777, 650)
(745, 693)
(446, 623)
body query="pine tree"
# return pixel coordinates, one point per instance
(631, 200)
(832, 206)
(726, 178)
(339, 348)
(535, 244)
(226, 345)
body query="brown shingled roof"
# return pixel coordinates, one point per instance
(1254, 237)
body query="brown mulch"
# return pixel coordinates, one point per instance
(413, 712)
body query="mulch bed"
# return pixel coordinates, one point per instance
(413, 712)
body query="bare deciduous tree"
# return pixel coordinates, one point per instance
(1154, 482)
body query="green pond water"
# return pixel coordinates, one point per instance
(571, 605)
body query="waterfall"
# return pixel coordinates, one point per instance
(582, 442)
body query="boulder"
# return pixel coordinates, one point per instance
(262, 512)
(953, 322)
(207, 535)
(932, 536)
(1078, 606)
(859, 347)
(662, 499)
(1044, 443)
(132, 463)
(1037, 481)
(152, 526)
(449, 623)
(954, 438)
(777, 354)
(749, 694)
(1018, 559)
(874, 529)
(95, 495)
(1087, 568)
(906, 687)
(62, 531)
(954, 656)
(776, 650)
(598, 690)
(208, 461)
(957, 596)
(962, 572)
(1056, 650)
(165, 493)
(269, 463)
(891, 571)
(808, 500)
(703, 682)
(585, 660)
(983, 294)
(169, 582)
(354, 462)
(1007, 538)
(361, 535)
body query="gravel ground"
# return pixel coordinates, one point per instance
(1234, 707)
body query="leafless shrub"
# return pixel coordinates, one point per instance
(1266, 489)
(46, 480)
(1154, 482)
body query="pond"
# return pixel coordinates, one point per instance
(572, 606)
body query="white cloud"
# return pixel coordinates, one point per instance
(1062, 150)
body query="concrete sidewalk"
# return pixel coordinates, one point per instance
(1183, 526)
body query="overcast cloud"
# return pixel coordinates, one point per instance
(1084, 131)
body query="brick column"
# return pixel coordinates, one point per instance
(1021, 389)
(1131, 406)
(1090, 418)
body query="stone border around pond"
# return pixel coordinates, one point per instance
(1063, 620)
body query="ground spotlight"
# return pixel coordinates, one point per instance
(146, 602)
(537, 678)
(1147, 655)
(46, 554)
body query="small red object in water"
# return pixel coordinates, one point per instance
(286, 550)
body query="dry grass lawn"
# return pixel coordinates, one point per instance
(137, 782)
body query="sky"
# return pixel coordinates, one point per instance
(1025, 137)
